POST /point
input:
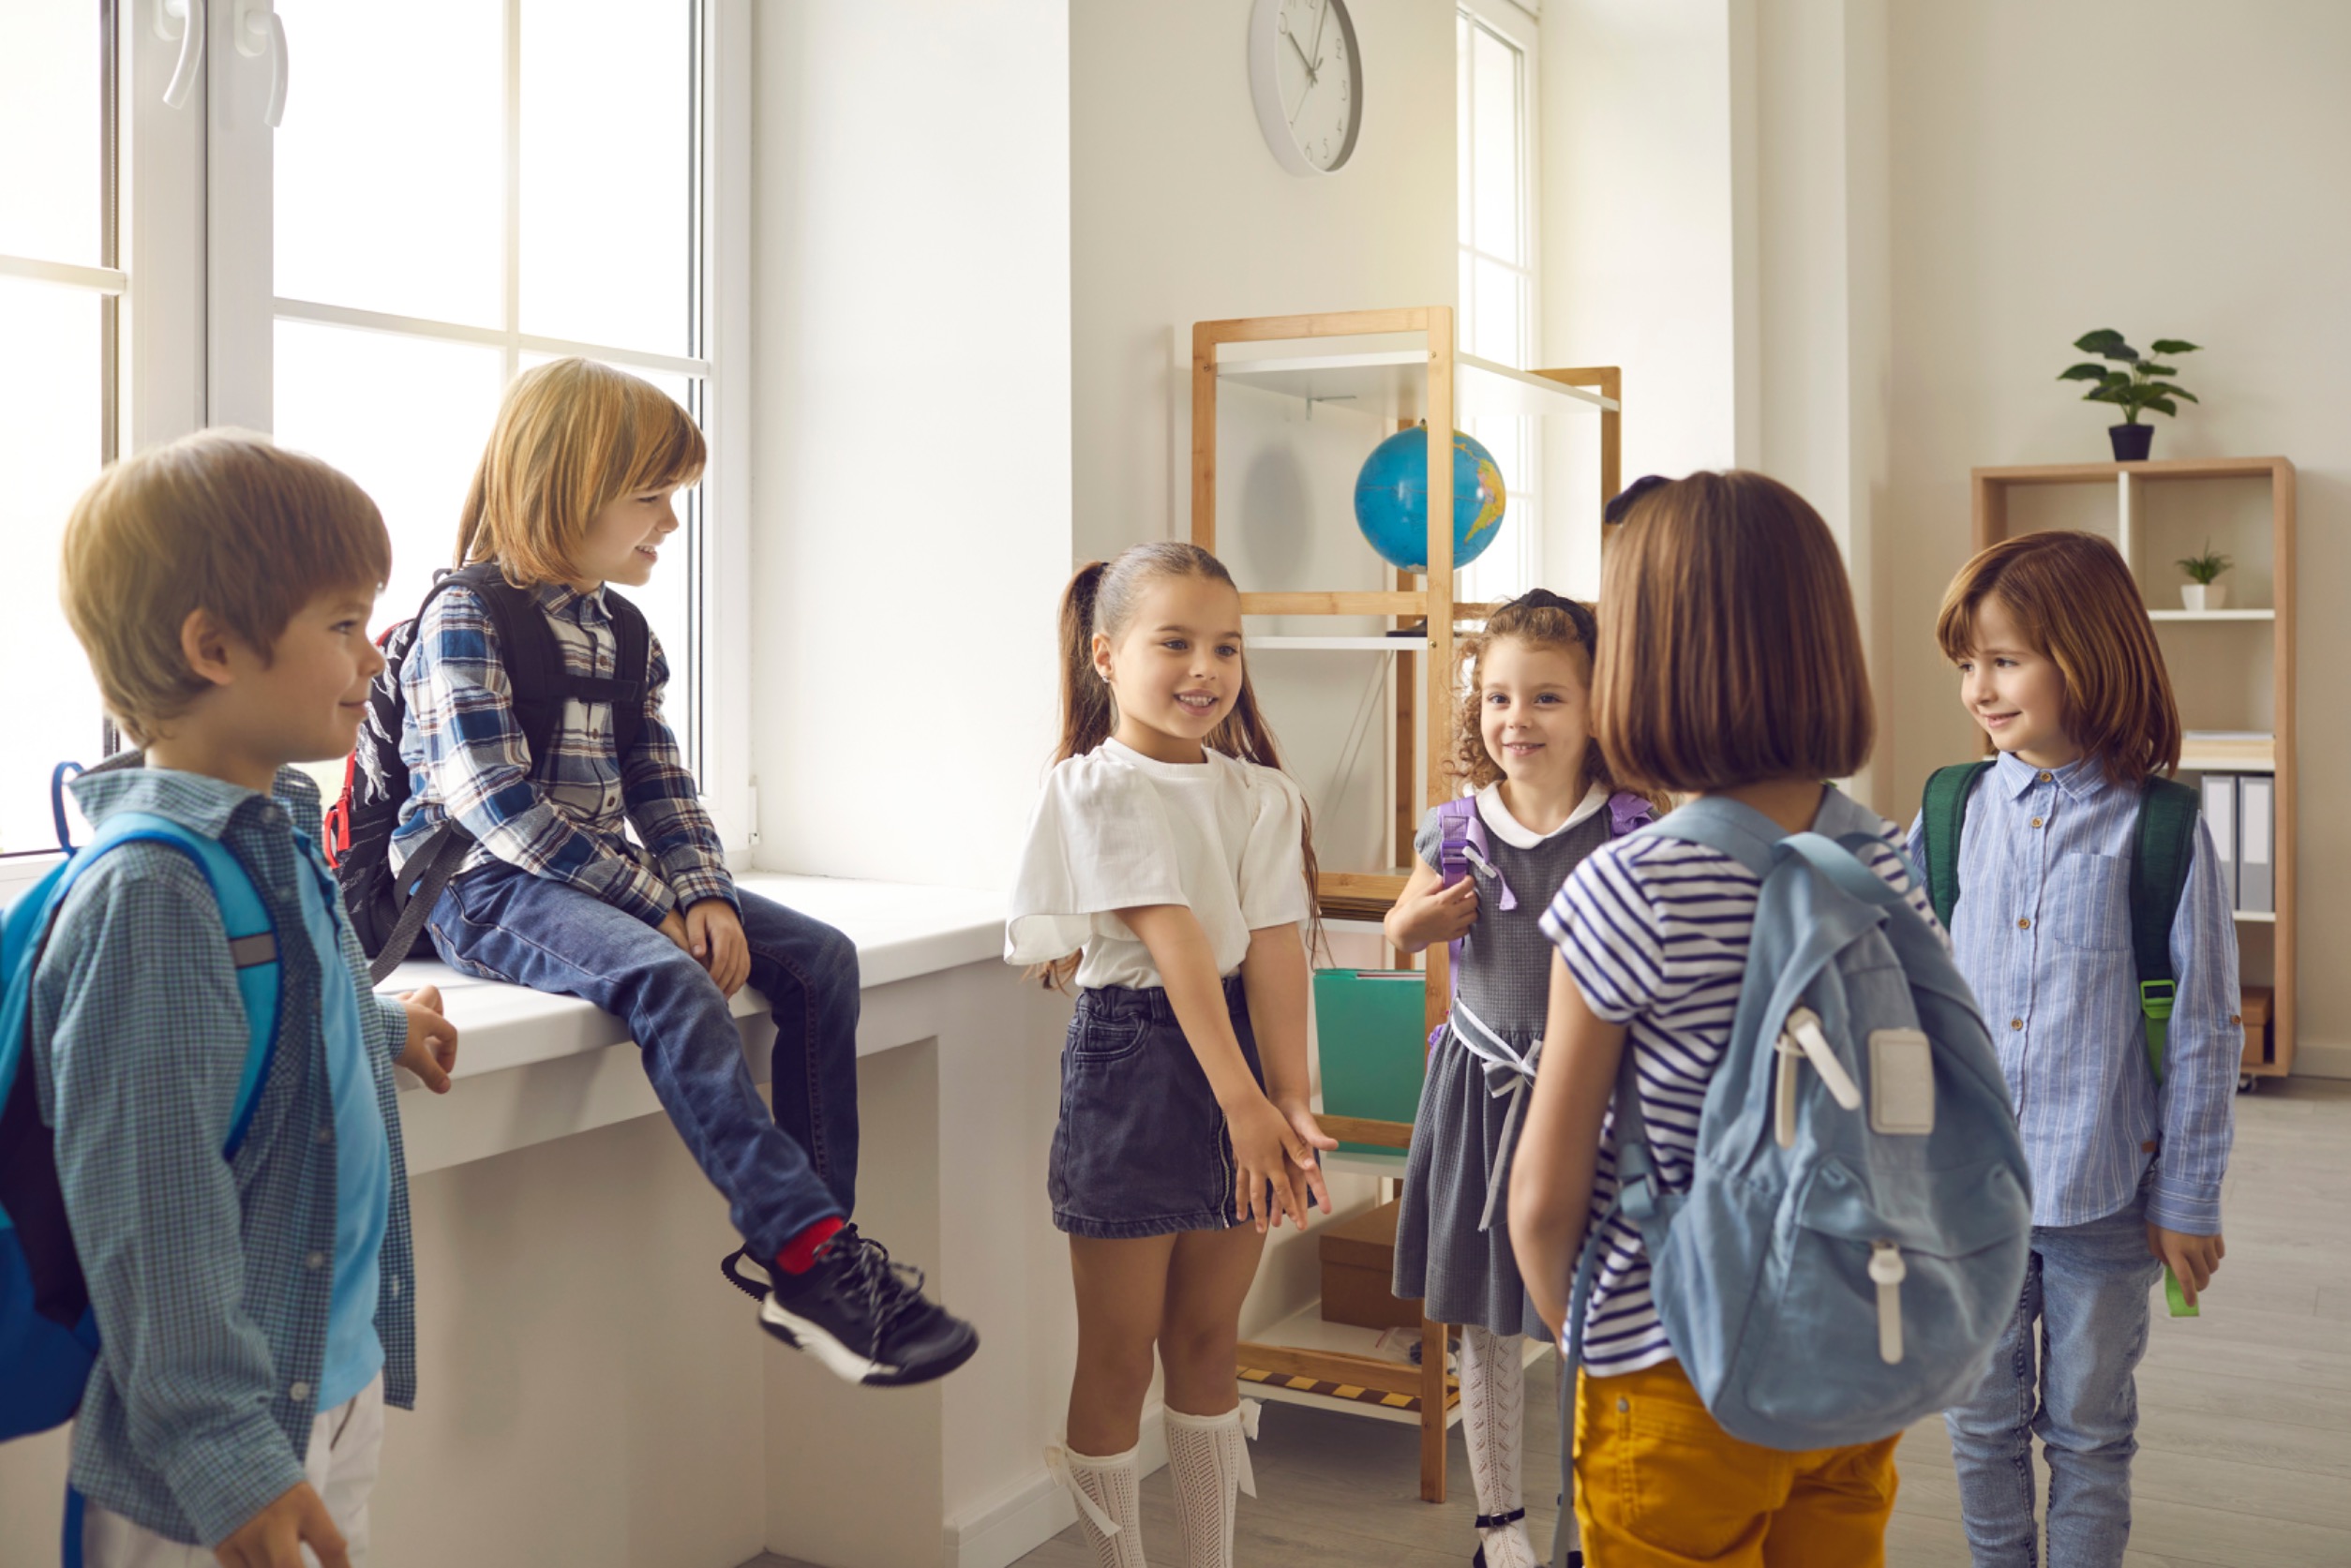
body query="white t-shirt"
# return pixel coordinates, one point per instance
(1116, 829)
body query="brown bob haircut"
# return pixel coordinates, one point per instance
(220, 521)
(1729, 649)
(572, 437)
(2073, 597)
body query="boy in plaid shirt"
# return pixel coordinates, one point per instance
(574, 493)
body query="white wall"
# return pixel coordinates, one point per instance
(910, 483)
(2026, 213)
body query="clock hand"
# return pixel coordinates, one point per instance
(1321, 17)
(1311, 75)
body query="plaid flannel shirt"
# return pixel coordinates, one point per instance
(565, 815)
(204, 1273)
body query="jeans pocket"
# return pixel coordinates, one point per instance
(1098, 1041)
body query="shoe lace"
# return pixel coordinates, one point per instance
(889, 1289)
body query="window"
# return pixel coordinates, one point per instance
(1495, 144)
(453, 195)
(60, 285)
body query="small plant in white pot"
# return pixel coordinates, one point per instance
(2203, 590)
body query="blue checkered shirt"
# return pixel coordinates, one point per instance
(204, 1273)
(2042, 932)
(564, 816)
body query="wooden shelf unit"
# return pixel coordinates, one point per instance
(1432, 382)
(1991, 487)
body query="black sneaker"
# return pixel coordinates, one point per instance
(861, 1314)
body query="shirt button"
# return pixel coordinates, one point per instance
(298, 1392)
(2016, 1022)
(315, 1261)
(324, 1134)
(394, 1286)
(2036, 822)
(2047, 778)
(2024, 925)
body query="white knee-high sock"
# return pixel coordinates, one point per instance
(1109, 1497)
(1494, 1427)
(1208, 1458)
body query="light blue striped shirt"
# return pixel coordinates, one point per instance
(2042, 932)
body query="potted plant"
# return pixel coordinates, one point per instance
(2139, 387)
(2203, 591)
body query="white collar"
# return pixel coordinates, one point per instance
(1517, 834)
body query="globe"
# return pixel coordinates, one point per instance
(1392, 500)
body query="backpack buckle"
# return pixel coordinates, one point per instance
(2156, 997)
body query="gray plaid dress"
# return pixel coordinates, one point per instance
(1464, 1274)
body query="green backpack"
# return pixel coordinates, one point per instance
(2158, 877)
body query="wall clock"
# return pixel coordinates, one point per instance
(1305, 74)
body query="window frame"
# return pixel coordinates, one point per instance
(197, 309)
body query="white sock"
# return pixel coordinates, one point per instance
(1494, 1427)
(1109, 1497)
(1208, 1458)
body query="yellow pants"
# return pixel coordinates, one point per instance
(1659, 1485)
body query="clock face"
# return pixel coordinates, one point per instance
(1308, 75)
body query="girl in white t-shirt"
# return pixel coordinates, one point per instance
(1169, 869)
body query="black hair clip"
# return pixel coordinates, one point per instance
(1617, 509)
(1587, 629)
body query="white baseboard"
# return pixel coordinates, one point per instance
(1034, 1510)
(2322, 1059)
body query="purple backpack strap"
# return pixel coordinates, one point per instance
(1627, 812)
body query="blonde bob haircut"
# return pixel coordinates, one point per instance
(1729, 649)
(572, 437)
(2074, 599)
(220, 521)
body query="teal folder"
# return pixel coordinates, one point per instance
(1370, 1032)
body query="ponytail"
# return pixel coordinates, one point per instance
(1087, 718)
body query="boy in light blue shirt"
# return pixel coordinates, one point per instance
(256, 1312)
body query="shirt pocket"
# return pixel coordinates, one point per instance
(2088, 903)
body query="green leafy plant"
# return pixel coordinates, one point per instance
(2207, 567)
(2140, 386)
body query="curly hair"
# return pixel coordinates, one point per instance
(1544, 619)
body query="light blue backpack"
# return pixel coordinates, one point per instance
(1855, 1237)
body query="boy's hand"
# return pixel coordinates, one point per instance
(715, 938)
(2193, 1259)
(673, 927)
(1440, 914)
(432, 1040)
(274, 1538)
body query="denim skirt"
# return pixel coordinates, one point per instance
(1141, 1149)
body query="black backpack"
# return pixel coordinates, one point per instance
(386, 911)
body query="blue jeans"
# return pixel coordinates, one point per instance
(780, 1174)
(2088, 1285)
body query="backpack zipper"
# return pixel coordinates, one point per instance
(1887, 1271)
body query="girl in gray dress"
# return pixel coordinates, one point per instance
(1543, 802)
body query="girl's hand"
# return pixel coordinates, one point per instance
(715, 938)
(431, 1050)
(274, 1538)
(1267, 1151)
(1308, 1177)
(1440, 914)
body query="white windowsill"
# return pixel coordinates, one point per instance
(903, 932)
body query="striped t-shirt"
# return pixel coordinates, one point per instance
(1655, 933)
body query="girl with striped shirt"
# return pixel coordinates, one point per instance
(1729, 663)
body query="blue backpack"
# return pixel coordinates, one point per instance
(1855, 1232)
(49, 1336)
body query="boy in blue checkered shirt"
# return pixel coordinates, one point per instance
(595, 873)
(257, 1313)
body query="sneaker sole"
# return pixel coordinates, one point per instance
(845, 1363)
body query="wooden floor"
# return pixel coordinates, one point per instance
(2245, 1413)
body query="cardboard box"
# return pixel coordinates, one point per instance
(2254, 1011)
(1358, 1266)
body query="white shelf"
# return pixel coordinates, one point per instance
(1368, 645)
(1393, 383)
(2259, 917)
(2212, 615)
